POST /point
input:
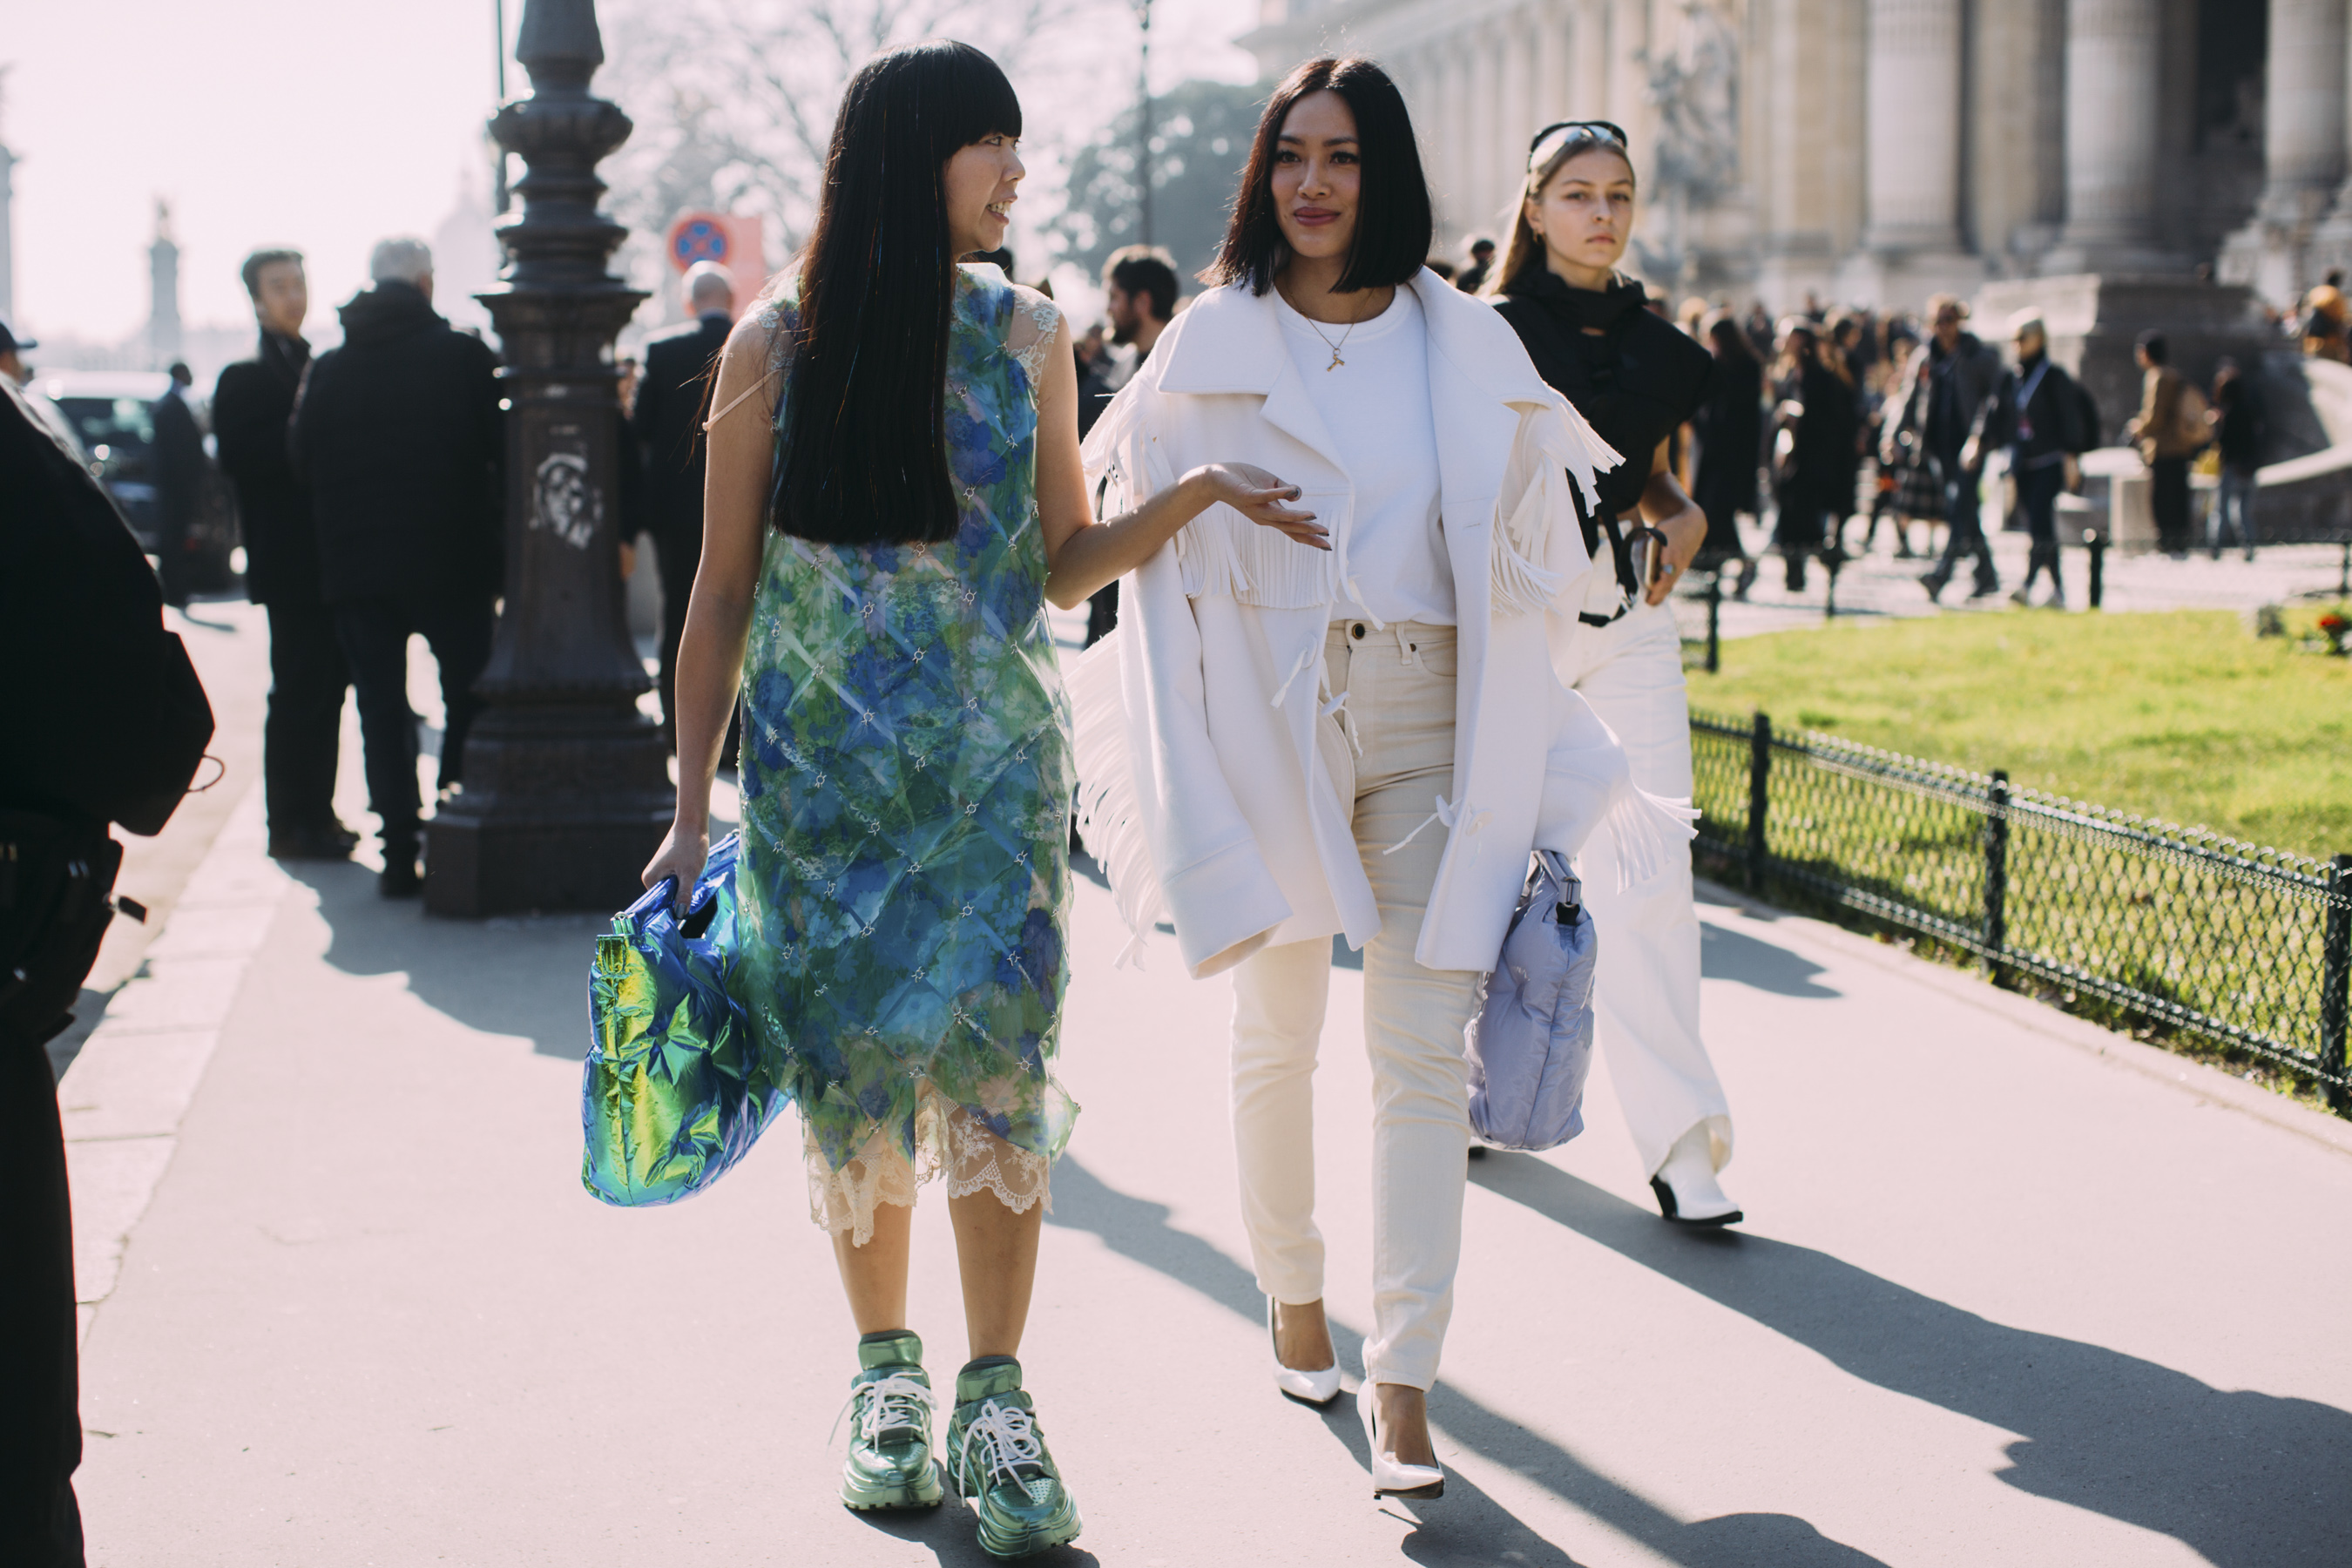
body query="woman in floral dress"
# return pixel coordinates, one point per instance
(876, 560)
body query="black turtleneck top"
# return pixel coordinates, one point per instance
(1634, 380)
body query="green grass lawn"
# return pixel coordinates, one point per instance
(2187, 717)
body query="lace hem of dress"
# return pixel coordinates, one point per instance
(950, 1142)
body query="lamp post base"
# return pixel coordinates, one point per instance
(530, 832)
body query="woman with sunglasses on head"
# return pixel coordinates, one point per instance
(1278, 722)
(1636, 379)
(893, 494)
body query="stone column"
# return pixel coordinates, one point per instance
(1484, 121)
(1913, 188)
(2287, 246)
(1453, 137)
(1518, 116)
(2112, 65)
(1553, 92)
(1589, 94)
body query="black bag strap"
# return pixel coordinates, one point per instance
(1594, 524)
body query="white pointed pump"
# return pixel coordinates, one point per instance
(1308, 1388)
(1685, 1186)
(1390, 1477)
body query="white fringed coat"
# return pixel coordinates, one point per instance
(1215, 779)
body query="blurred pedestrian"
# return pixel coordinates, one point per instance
(399, 436)
(1948, 413)
(2169, 430)
(2039, 418)
(179, 485)
(1907, 487)
(1637, 379)
(11, 356)
(1139, 298)
(2238, 428)
(2325, 334)
(1730, 429)
(1477, 267)
(110, 732)
(1759, 328)
(1811, 447)
(673, 396)
(253, 404)
(1842, 353)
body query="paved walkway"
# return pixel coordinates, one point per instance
(1879, 584)
(2014, 1289)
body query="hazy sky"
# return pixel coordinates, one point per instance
(322, 123)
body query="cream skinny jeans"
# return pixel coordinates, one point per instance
(1399, 685)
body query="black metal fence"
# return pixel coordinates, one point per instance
(2247, 947)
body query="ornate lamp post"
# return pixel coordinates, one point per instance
(567, 788)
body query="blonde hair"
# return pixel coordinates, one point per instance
(1525, 250)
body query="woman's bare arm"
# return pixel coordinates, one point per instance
(719, 616)
(1667, 508)
(1082, 555)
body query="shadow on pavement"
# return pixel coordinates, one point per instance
(1467, 1526)
(523, 976)
(948, 1531)
(1725, 954)
(2243, 1478)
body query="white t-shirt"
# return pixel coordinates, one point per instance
(1392, 560)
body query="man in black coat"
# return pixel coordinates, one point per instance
(179, 485)
(251, 406)
(1964, 377)
(2038, 416)
(399, 436)
(106, 725)
(667, 424)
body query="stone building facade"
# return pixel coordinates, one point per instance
(1875, 151)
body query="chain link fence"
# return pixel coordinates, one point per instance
(2247, 947)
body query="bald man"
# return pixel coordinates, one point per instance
(668, 423)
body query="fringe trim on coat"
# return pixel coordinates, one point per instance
(1567, 450)
(1109, 814)
(1648, 829)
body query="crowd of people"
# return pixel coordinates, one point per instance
(1392, 535)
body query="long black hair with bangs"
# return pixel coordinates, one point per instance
(865, 436)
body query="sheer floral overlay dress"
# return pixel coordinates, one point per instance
(907, 780)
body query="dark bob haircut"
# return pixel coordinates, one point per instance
(1393, 226)
(864, 433)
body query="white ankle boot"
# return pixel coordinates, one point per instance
(1687, 1190)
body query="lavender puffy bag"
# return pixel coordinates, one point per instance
(1531, 1043)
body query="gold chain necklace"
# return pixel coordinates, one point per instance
(1336, 360)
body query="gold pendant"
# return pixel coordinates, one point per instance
(1336, 363)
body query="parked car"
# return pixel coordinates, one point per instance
(113, 413)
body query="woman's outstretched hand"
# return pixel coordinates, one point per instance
(1261, 498)
(681, 854)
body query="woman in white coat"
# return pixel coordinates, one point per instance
(1636, 379)
(1281, 744)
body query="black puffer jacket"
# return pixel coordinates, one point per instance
(399, 436)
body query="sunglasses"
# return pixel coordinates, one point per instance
(1536, 147)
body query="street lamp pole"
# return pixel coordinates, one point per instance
(498, 48)
(1143, 121)
(567, 788)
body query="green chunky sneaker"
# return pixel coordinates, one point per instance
(889, 1410)
(997, 1459)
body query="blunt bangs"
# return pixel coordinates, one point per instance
(1394, 224)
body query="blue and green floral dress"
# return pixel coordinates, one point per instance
(905, 780)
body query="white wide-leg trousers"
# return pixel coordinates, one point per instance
(1399, 684)
(1647, 1002)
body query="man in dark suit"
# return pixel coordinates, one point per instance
(399, 434)
(179, 485)
(302, 737)
(668, 423)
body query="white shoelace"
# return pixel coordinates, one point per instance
(892, 1403)
(1010, 1439)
